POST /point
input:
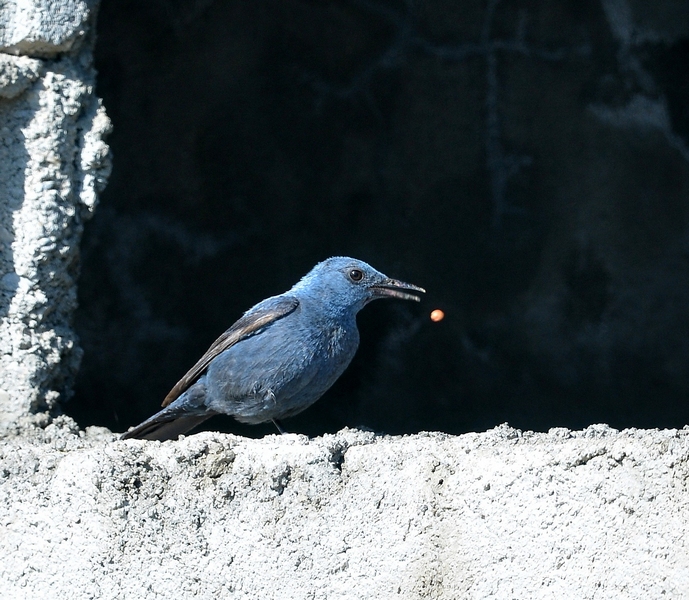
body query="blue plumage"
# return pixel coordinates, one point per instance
(282, 355)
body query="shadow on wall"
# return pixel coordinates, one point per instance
(527, 163)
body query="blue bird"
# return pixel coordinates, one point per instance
(281, 356)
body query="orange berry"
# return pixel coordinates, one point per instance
(437, 315)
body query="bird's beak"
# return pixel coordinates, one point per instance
(392, 288)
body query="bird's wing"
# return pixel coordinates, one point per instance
(253, 321)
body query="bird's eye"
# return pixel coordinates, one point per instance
(356, 275)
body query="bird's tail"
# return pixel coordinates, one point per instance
(164, 427)
(183, 414)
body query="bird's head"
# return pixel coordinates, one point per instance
(349, 284)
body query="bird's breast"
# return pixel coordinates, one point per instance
(336, 342)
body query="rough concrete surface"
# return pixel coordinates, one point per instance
(53, 162)
(44, 27)
(502, 514)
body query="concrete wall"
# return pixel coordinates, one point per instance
(53, 162)
(503, 514)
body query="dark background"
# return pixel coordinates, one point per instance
(527, 162)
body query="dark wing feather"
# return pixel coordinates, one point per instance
(250, 323)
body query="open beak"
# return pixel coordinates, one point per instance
(391, 288)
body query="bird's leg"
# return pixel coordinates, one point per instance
(279, 426)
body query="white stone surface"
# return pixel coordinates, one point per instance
(502, 514)
(44, 27)
(53, 163)
(17, 73)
